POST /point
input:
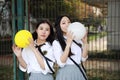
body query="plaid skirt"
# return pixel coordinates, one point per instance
(69, 72)
(40, 76)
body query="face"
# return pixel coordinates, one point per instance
(43, 31)
(64, 23)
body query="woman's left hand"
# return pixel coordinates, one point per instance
(31, 43)
(84, 39)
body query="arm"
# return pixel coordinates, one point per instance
(85, 50)
(85, 47)
(18, 53)
(65, 54)
(38, 56)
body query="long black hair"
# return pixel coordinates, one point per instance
(59, 33)
(51, 36)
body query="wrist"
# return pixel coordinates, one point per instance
(85, 44)
(67, 46)
(35, 50)
(19, 57)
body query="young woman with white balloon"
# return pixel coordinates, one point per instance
(69, 53)
(37, 59)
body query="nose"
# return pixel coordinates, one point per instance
(43, 31)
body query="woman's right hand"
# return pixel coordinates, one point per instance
(70, 38)
(17, 50)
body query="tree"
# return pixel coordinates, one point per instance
(5, 19)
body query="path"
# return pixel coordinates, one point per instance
(100, 44)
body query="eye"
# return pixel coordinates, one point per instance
(63, 23)
(40, 28)
(47, 29)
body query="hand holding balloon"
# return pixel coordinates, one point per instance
(17, 50)
(78, 30)
(70, 38)
(84, 39)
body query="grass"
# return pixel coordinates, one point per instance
(111, 54)
(95, 74)
(6, 73)
(94, 36)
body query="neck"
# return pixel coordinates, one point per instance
(64, 34)
(39, 42)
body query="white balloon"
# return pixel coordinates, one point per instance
(78, 30)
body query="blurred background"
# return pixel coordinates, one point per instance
(100, 17)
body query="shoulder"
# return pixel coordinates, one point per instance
(55, 42)
(47, 46)
(56, 45)
(26, 49)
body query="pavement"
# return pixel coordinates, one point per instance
(100, 44)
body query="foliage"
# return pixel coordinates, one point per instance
(100, 74)
(95, 35)
(47, 9)
(53, 8)
(6, 73)
(5, 46)
(112, 54)
(5, 19)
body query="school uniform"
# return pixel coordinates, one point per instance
(33, 67)
(68, 70)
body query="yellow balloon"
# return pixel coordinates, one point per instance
(21, 38)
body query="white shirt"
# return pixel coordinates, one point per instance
(32, 63)
(75, 49)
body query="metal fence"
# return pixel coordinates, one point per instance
(100, 17)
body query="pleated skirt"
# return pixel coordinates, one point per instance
(69, 72)
(40, 76)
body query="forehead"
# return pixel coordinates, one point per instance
(65, 19)
(44, 25)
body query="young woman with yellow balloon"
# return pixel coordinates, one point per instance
(36, 58)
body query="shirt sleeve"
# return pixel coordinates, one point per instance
(57, 53)
(24, 56)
